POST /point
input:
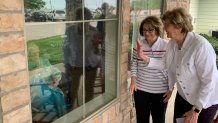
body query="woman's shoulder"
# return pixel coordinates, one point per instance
(162, 41)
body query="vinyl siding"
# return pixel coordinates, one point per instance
(207, 18)
(194, 12)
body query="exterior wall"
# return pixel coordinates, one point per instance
(204, 13)
(207, 16)
(14, 89)
(194, 8)
(170, 4)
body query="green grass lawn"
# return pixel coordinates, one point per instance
(50, 47)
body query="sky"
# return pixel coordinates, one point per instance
(92, 4)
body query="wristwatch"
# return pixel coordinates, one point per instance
(196, 109)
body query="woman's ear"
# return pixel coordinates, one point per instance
(178, 29)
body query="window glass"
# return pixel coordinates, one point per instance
(102, 9)
(140, 9)
(72, 61)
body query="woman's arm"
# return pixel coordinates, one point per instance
(152, 62)
(205, 62)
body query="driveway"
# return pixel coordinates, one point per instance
(43, 29)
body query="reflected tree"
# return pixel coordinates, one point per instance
(71, 6)
(34, 4)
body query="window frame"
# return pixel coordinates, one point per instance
(118, 19)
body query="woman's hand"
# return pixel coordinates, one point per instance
(191, 117)
(139, 49)
(167, 96)
(140, 52)
(133, 86)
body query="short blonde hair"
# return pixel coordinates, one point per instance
(179, 17)
(153, 22)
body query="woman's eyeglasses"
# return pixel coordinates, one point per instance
(148, 30)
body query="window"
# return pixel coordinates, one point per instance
(140, 9)
(72, 57)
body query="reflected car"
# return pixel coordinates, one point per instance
(39, 16)
(27, 15)
(57, 15)
(50, 15)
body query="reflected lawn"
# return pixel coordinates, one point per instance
(50, 47)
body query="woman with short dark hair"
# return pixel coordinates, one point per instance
(150, 86)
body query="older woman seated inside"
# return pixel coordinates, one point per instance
(44, 80)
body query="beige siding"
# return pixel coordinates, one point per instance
(194, 12)
(207, 16)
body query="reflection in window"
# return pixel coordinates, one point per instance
(44, 81)
(102, 9)
(73, 56)
(45, 10)
(72, 64)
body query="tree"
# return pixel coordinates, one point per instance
(71, 6)
(34, 4)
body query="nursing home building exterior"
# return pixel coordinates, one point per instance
(113, 104)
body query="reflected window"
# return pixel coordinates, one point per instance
(72, 58)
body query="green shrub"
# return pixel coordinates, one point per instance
(214, 43)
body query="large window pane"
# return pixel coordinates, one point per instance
(46, 71)
(105, 75)
(72, 64)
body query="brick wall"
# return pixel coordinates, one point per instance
(170, 4)
(14, 89)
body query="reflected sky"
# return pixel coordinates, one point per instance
(60, 4)
(55, 4)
